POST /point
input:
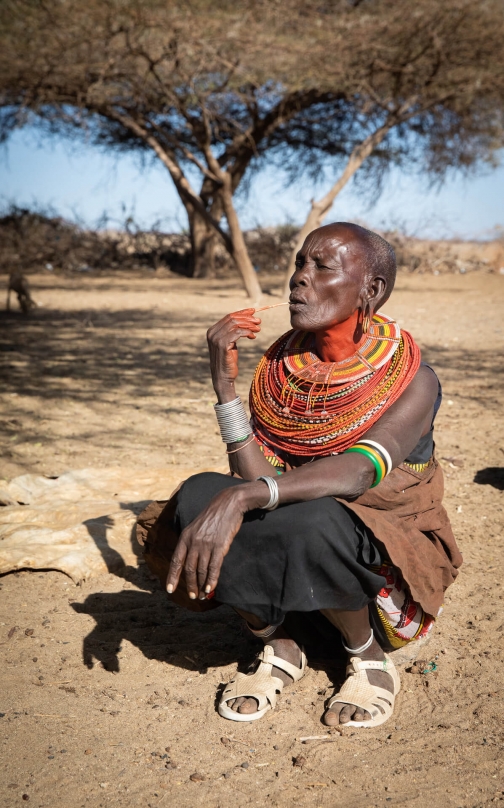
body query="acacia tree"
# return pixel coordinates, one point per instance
(430, 88)
(220, 87)
(167, 77)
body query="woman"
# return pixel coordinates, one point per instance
(341, 439)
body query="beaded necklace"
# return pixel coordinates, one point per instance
(303, 406)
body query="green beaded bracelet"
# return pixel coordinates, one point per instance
(362, 451)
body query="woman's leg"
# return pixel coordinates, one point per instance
(356, 630)
(282, 645)
(297, 558)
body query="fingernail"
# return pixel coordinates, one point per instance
(192, 595)
(169, 589)
(202, 597)
(207, 589)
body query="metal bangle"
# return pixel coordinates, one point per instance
(357, 651)
(263, 633)
(233, 421)
(274, 493)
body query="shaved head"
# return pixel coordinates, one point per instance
(378, 256)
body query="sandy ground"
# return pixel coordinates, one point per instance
(108, 691)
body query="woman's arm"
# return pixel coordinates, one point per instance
(205, 542)
(245, 458)
(350, 475)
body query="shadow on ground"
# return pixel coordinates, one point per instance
(195, 641)
(493, 475)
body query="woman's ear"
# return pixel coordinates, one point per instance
(375, 292)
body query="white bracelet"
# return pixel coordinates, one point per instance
(274, 493)
(233, 421)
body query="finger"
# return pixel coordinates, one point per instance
(244, 312)
(202, 572)
(190, 570)
(227, 324)
(231, 339)
(214, 568)
(233, 322)
(231, 330)
(245, 317)
(176, 566)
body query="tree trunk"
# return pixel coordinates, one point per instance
(203, 247)
(320, 208)
(234, 242)
(240, 252)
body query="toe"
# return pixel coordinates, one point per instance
(248, 706)
(347, 714)
(331, 718)
(236, 704)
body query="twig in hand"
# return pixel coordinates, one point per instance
(274, 306)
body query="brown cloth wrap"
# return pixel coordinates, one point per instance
(404, 513)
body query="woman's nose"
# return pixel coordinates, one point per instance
(300, 277)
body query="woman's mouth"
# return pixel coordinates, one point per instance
(295, 303)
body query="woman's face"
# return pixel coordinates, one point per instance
(330, 281)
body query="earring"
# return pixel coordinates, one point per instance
(366, 319)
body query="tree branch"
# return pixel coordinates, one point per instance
(169, 161)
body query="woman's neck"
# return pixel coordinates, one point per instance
(341, 340)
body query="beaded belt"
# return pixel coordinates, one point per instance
(418, 466)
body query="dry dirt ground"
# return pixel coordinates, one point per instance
(108, 691)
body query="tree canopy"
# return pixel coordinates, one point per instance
(214, 89)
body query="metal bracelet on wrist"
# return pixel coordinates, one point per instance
(233, 421)
(274, 493)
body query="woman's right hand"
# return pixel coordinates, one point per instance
(222, 338)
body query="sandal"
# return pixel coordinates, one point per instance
(357, 690)
(261, 685)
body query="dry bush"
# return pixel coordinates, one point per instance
(31, 241)
(449, 256)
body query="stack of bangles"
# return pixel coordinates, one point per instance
(234, 424)
(378, 455)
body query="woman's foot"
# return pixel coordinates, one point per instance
(343, 713)
(285, 649)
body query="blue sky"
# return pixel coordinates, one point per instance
(81, 183)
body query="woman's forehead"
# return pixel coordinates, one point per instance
(319, 244)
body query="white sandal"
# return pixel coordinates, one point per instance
(261, 685)
(357, 690)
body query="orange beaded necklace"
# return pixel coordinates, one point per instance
(307, 407)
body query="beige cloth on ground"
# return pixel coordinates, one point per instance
(81, 523)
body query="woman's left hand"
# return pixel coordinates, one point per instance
(204, 543)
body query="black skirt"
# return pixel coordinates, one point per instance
(302, 557)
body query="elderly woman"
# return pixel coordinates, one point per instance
(334, 499)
